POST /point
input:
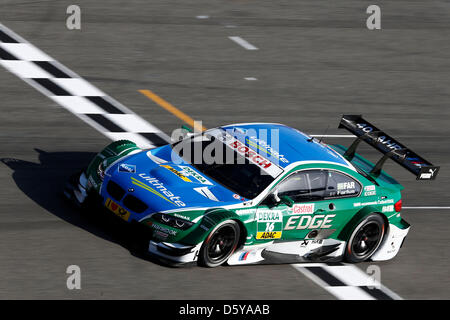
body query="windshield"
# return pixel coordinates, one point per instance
(209, 153)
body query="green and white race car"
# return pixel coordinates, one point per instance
(257, 193)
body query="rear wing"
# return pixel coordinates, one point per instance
(391, 148)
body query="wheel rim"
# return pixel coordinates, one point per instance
(366, 239)
(221, 243)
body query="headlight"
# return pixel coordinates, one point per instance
(172, 221)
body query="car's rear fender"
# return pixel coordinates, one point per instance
(344, 235)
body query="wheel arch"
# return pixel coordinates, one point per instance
(346, 232)
(210, 220)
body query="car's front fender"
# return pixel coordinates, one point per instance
(110, 154)
(211, 219)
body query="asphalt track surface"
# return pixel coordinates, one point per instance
(316, 61)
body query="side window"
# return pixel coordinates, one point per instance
(304, 185)
(341, 185)
(317, 183)
(295, 186)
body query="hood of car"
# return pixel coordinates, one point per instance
(164, 181)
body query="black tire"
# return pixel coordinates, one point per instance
(220, 244)
(365, 239)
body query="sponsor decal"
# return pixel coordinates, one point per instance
(262, 145)
(346, 185)
(158, 189)
(370, 191)
(306, 243)
(236, 196)
(359, 204)
(385, 201)
(303, 208)
(189, 172)
(265, 164)
(428, 175)
(387, 208)
(269, 216)
(130, 168)
(246, 211)
(118, 210)
(176, 172)
(181, 216)
(163, 229)
(344, 188)
(160, 235)
(319, 221)
(382, 139)
(204, 191)
(416, 161)
(269, 235)
(244, 255)
(269, 224)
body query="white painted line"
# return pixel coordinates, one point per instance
(78, 105)
(132, 123)
(25, 51)
(75, 94)
(345, 281)
(349, 293)
(135, 137)
(24, 69)
(202, 17)
(351, 276)
(300, 268)
(333, 135)
(243, 43)
(251, 78)
(78, 87)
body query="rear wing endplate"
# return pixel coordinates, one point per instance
(390, 147)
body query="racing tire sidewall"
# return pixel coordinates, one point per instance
(204, 259)
(350, 255)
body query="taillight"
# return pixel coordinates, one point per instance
(398, 206)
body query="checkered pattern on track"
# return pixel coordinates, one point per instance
(74, 93)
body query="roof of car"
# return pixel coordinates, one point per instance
(283, 145)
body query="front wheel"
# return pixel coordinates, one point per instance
(365, 239)
(220, 244)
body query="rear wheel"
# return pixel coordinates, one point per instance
(220, 244)
(365, 239)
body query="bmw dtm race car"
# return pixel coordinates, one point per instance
(257, 193)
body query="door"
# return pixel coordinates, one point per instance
(340, 194)
(307, 189)
(322, 204)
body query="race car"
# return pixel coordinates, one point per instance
(256, 193)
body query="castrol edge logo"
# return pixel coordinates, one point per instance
(265, 164)
(303, 218)
(302, 209)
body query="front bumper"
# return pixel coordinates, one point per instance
(174, 253)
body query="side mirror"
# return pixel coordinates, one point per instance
(275, 200)
(287, 200)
